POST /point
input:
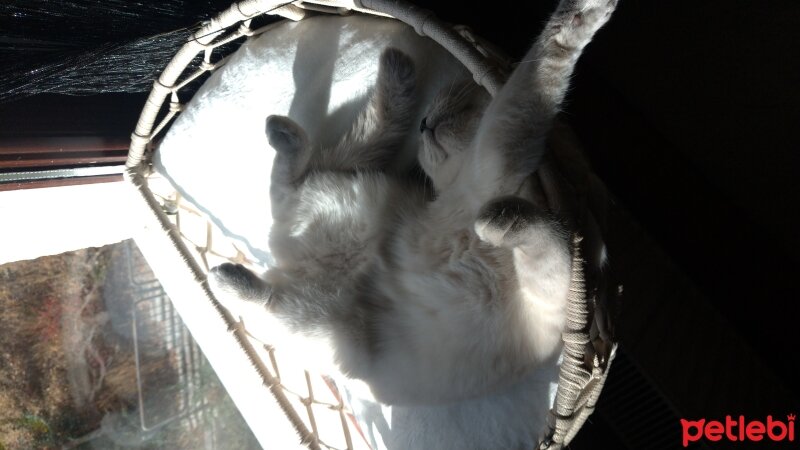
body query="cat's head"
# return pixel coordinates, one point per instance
(448, 128)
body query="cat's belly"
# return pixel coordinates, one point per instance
(336, 224)
(513, 417)
(453, 332)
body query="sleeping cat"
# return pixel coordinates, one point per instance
(445, 299)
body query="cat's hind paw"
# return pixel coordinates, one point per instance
(397, 74)
(285, 135)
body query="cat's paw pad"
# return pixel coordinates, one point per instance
(596, 13)
(581, 19)
(578, 6)
(396, 71)
(506, 221)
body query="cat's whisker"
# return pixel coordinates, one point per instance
(527, 61)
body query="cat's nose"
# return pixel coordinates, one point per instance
(423, 125)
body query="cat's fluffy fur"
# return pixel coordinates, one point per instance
(450, 297)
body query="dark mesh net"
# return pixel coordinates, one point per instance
(86, 47)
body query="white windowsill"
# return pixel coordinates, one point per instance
(49, 221)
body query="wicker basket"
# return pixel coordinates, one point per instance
(181, 245)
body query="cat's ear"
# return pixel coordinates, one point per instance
(285, 135)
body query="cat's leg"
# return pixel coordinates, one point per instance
(298, 304)
(311, 319)
(511, 138)
(381, 128)
(293, 316)
(542, 265)
(548, 65)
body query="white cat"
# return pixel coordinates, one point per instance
(444, 306)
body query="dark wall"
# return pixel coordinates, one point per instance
(689, 113)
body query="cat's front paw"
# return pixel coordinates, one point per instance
(234, 284)
(597, 7)
(580, 19)
(513, 221)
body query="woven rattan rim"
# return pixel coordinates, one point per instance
(579, 386)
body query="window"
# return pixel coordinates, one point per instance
(95, 356)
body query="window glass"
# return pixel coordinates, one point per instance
(93, 356)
